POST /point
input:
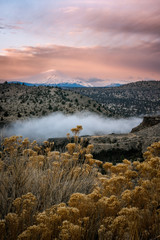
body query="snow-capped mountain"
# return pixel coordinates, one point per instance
(54, 78)
(57, 78)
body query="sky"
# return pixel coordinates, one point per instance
(101, 41)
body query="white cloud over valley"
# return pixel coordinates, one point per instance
(59, 124)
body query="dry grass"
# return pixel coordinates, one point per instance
(52, 177)
(48, 195)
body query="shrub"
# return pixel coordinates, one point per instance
(46, 194)
(19, 115)
(44, 112)
(50, 107)
(6, 114)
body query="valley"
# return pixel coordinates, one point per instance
(21, 102)
(116, 147)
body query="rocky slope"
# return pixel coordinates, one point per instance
(133, 99)
(147, 122)
(116, 147)
(22, 102)
(131, 146)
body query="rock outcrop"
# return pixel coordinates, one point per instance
(147, 122)
(116, 147)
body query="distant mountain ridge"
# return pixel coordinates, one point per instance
(52, 78)
(59, 79)
(114, 85)
(63, 84)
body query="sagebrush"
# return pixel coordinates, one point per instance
(47, 195)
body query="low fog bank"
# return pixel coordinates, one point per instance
(59, 124)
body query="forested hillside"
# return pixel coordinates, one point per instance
(128, 100)
(21, 102)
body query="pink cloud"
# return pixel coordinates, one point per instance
(120, 22)
(10, 26)
(114, 23)
(100, 62)
(87, 23)
(122, 18)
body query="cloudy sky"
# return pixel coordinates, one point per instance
(112, 40)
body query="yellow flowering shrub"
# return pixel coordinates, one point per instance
(47, 195)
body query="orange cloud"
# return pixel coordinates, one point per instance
(100, 62)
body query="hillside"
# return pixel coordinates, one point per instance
(21, 102)
(128, 100)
